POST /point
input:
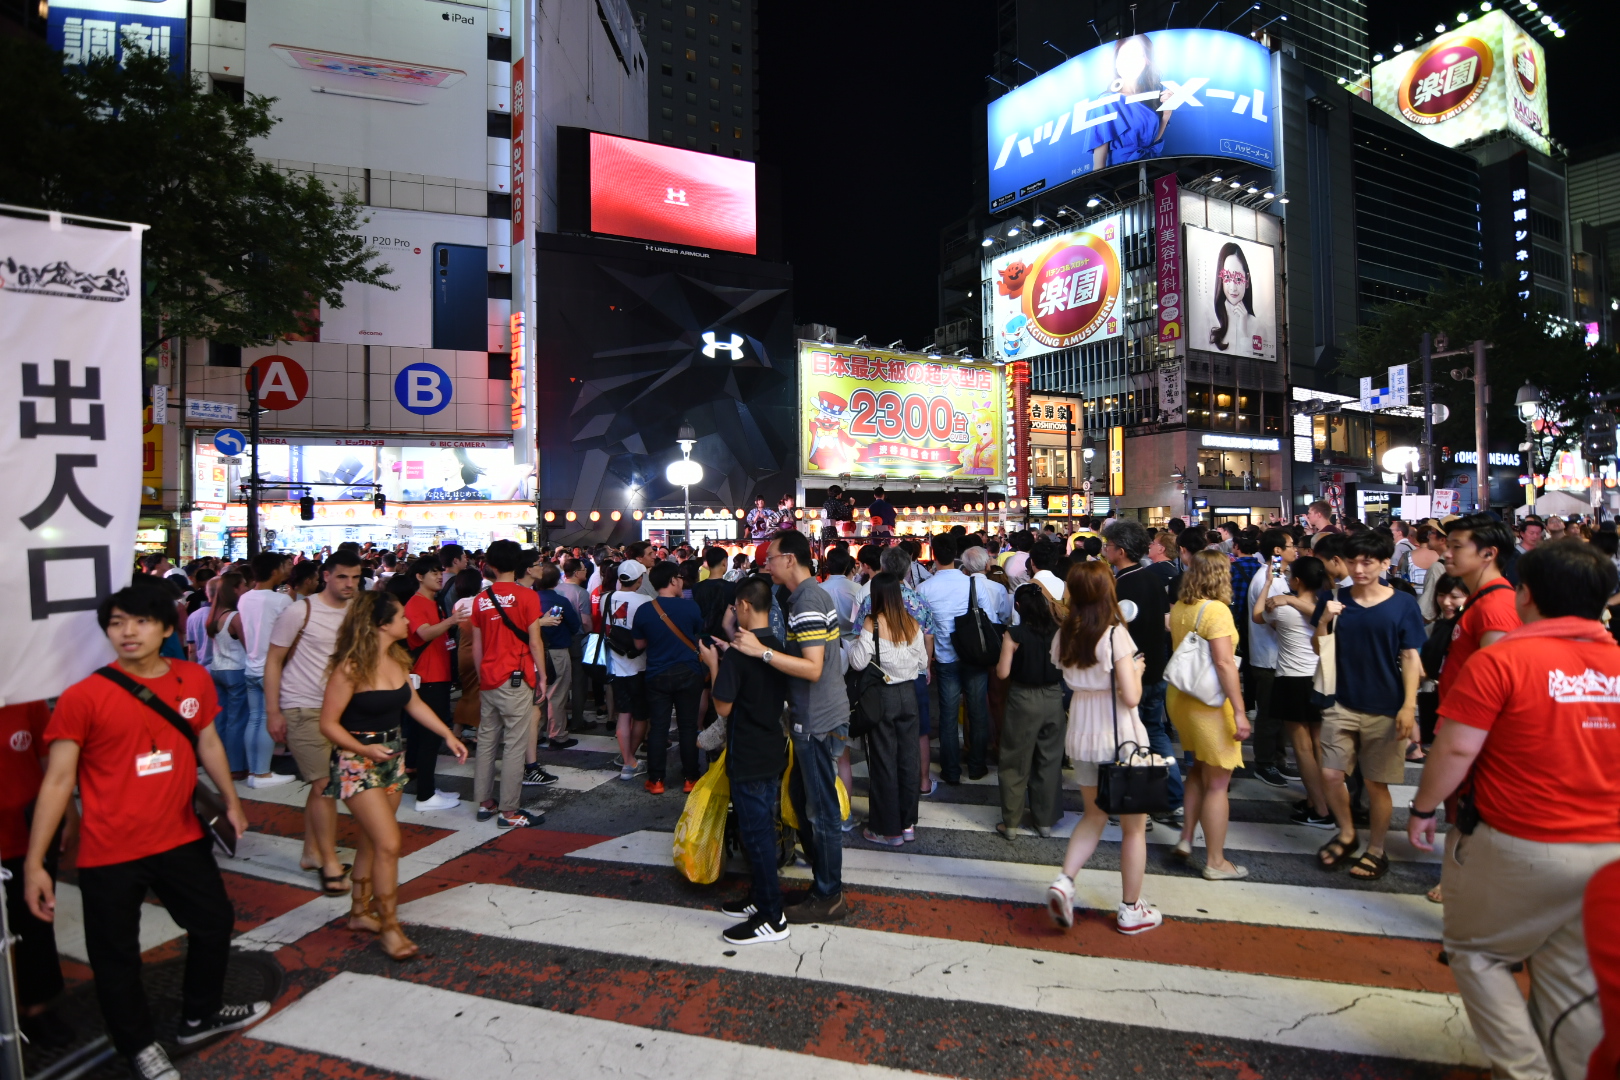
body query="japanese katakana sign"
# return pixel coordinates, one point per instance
(70, 433)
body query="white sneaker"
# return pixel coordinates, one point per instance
(1137, 918)
(153, 1064)
(441, 800)
(627, 773)
(1060, 901)
(273, 780)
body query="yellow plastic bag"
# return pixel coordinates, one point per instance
(700, 835)
(791, 819)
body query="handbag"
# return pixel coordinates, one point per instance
(865, 688)
(1191, 668)
(1133, 783)
(208, 804)
(595, 651)
(977, 639)
(1325, 683)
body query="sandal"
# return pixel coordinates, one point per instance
(1372, 866)
(363, 915)
(1414, 754)
(392, 937)
(332, 884)
(1434, 896)
(1335, 853)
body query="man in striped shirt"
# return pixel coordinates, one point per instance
(818, 706)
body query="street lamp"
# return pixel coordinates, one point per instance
(685, 472)
(1088, 450)
(1528, 400)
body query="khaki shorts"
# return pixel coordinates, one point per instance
(309, 748)
(1349, 736)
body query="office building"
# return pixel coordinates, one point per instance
(703, 90)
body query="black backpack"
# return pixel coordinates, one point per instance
(977, 637)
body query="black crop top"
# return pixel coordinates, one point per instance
(376, 710)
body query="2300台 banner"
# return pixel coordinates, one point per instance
(869, 412)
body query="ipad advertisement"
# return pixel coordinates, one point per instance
(439, 264)
(651, 192)
(390, 85)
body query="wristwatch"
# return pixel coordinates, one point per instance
(1425, 815)
(766, 656)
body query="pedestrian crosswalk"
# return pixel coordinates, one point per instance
(586, 955)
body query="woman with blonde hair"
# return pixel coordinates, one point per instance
(1214, 736)
(367, 692)
(1100, 664)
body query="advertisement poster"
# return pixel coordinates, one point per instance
(1167, 250)
(1484, 76)
(1172, 395)
(451, 474)
(405, 241)
(1231, 295)
(1169, 93)
(872, 412)
(70, 443)
(1058, 293)
(390, 85)
(83, 30)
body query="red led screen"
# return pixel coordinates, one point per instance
(654, 192)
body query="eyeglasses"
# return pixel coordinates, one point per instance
(1235, 277)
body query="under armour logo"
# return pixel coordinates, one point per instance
(676, 196)
(733, 348)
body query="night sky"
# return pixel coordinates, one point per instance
(873, 113)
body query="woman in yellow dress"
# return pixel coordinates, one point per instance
(1214, 736)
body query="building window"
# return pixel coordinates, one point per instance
(667, 25)
(691, 121)
(220, 355)
(691, 31)
(714, 40)
(691, 140)
(736, 69)
(690, 77)
(691, 12)
(714, 19)
(667, 90)
(665, 46)
(714, 104)
(667, 69)
(714, 84)
(1234, 470)
(736, 89)
(669, 135)
(736, 47)
(736, 133)
(667, 113)
(691, 54)
(691, 97)
(714, 148)
(714, 125)
(736, 110)
(714, 61)
(736, 27)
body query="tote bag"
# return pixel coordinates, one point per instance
(1192, 669)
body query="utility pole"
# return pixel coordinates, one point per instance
(1428, 411)
(1068, 465)
(253, 473)
(1482, 397)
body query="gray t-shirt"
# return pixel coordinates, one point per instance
(821, 706)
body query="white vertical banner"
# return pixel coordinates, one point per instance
(70, 441)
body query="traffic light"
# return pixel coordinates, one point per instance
(379, 502)
(1598, 442)
(306, 508)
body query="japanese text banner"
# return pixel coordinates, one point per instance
(866, 412)
(70, 439)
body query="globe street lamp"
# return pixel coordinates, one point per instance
(1528, 401)
(685, 472)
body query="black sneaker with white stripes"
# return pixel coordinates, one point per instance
(534, 775)
(757, 930)
(739, 909)
(229, 1018)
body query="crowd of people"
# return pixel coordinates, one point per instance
(1339, 655)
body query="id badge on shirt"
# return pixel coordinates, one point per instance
(158, 761)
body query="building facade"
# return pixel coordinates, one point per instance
(703, 93)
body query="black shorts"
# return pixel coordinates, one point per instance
(1291, 700)
(630, 695)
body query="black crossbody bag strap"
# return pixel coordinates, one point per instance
(208, 804)
(505, 618)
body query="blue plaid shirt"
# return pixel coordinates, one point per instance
(1244, 567)
(916, 607)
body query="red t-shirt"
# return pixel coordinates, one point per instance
(1601, 914)
(135, 803)
(504, 651)
(22, 743)
(434, 662)
(1550, 771)
(1490, 610)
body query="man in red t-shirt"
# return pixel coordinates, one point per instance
(39, 972)
(1476, 546)
(1533, 727)
(507, 652)
(136, 772)
(431, 644)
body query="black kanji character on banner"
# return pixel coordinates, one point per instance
(63, 393)
(66, 487)
(40, 604)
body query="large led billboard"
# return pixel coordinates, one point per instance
(388, 85)
(651, 192)
(870, 412)
(1170, 93)
(1485, 76)
(1061, 292)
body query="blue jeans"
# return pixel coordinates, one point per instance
(1158, 729)
(956, 680)
(231, 687)
(256, 737)
(755, 804)
(815, 794)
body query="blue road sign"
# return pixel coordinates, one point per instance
(230, 442)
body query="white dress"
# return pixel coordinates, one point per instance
(1094, 709)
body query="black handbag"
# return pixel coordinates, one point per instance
(865, 689)
(208, 803)
(1131, 783)
(977, 639)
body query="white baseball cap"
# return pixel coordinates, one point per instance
(630, 570)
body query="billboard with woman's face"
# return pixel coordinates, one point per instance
(1170, 93)
(1231, 295)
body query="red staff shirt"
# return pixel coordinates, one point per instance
(433, 664)
(22, 742)
(136, 770)
(504, 651)
(1490, 611)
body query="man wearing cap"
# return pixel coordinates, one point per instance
(627, 675)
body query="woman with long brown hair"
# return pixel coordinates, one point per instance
(367, 692)
(892, 746)
(1214, 736)
(227, 664)
(1101, 666)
